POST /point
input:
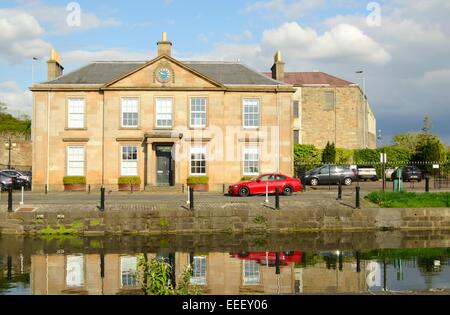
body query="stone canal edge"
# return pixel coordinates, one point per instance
(166, 218)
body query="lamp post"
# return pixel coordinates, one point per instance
(365, 107)
(10, 146)
(32, 69)
(383, 160)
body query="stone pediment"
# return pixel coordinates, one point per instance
(163, 72)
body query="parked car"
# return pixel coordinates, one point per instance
(409, 173)
(330, 174)
(367, 172)
(389, 173)
(17, 181)
(5, 182)
(286, 185)
(269, 258)
(18, 174)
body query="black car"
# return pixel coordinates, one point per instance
(5, 182)
(409, 173)
(15, 181)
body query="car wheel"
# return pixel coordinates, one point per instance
(375, 179)
(287, 191)
(314, 182)
(348, 181)
(244, 192)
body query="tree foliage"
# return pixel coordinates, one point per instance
(329, 154)
(9, 123)
(306, 154)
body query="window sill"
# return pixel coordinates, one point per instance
(75, 129)
(130, 128)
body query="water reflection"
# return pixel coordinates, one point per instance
(283, 272)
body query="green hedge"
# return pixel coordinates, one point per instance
(129, 180)
(74, 180)
(198, 180)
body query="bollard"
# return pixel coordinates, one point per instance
(340, 190)
(341, 261)
(358, 199)
(191, 198)
(223, 189)
(102, 199)
(46, 189)
(102, 265)
(427, 184)
(277, 199)
(358, 262)
(21, 199)
(277, 262)
(9, 268)
(267, 192)
(89, 188)
(182, 189)
(10, 199)
(131, 188)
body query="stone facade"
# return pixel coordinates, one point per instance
(343, 124)
(21, 154)
(103, 136)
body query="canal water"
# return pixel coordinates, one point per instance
(227, 264)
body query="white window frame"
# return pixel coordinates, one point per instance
(75, 271)
(200, 112)
(244, 113)
(197, 149)
(76, 161)
(246, 150)
(126, 108)
(128, 268)
(251, 272)
(76, 108)
(125, 164)
(198, 276)
(164, 113)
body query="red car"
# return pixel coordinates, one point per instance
(285, 184)
(269, 258)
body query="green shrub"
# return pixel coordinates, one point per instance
(307, 154)
(74, 180)
(198, 180)
(246, 178)
(344, 156)
(129, 180)
(329, 154)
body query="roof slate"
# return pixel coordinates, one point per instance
(226, 73)
(306, 78)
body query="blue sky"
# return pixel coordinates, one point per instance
(405, 57)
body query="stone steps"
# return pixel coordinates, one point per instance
(164, 189)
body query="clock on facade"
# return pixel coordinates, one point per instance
(163, 74)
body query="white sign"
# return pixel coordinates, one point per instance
(383, 158)
(373, 274)
(436, 166)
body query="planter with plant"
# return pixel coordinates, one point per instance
(199, 183)
(74, 183)
(128, 183)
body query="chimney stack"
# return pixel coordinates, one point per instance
(164, 46)
(278, 67)
(54, 67)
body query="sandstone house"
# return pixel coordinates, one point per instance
(165, 120)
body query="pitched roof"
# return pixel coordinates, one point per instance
(227, 73)
(307, 78)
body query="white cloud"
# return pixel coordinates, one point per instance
(341, 42)
(56, 18)
(245, 35)
(80, 57)
(20, 36)
(17, 100)
(282, 9)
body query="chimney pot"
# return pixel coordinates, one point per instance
(54, 67)
(278, 67)
(164, 46)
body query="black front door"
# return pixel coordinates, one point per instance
(164, 165)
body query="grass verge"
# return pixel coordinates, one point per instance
(410, 200)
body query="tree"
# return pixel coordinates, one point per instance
(429, 149)
(329, 153)
(426, 128)
(406, 140)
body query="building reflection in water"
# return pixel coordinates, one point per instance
(215, 273)
(293, 272)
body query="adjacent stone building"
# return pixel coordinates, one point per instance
(328, 109)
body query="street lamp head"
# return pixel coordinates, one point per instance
(360, 71)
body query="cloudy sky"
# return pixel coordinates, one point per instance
(402, 45)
